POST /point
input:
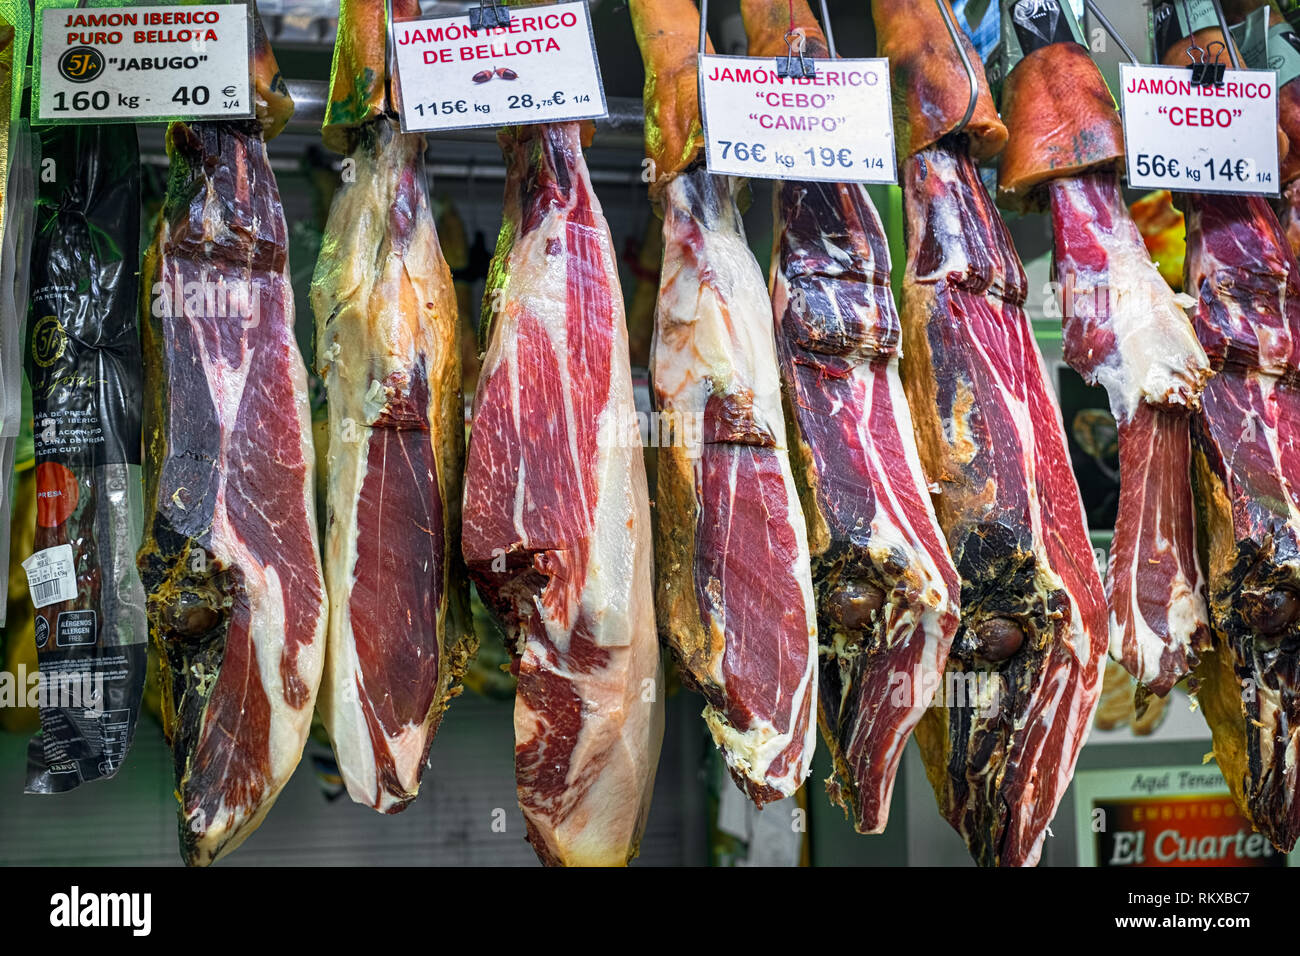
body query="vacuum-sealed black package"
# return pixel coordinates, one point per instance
(83, 362)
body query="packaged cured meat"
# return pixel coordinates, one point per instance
(84, 368)
(230, 558)
(886, 587)
(388, 351)
(734, 589)
(1124, 329)
(1032, 639)
(17, 200)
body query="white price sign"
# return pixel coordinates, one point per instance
(138, 64)
(539, 68)
(1209, 139)
(836, 125)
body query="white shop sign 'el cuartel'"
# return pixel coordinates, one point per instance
(541, 67)
(836, 125)
(138, 64)
(1209, 139)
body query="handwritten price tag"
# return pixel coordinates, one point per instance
(540, 68)
(1210, 139)
(138, 64)
(834, 126)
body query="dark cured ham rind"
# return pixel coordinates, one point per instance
(767, 22)
(1246, 454)
(359, 87)
(930, 87)
(674, 136)
(1033, 634)
(230, 535)
(1061, 121)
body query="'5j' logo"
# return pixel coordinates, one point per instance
(81, 64)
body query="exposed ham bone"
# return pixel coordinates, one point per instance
(1033, 636)
(1125, 330)
(389, 353)
(886, 587)
(735, 595)
(1247, 466)
(230, 559)
(556, 519)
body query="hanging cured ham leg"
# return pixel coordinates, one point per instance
(1246, 456)
(557, 526)
(230, 560)
(1033, 633)
(1125, 330)
(735, 599)
(388, 350)
(886, 587)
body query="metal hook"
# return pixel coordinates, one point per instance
(704, 26)
(953, 29)
(488, 14)
(1106, 25)
(1223, 27)
(826, 29)
(389, 54)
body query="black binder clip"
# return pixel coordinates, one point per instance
(787, 65)
(488, 14)
(1207, 72)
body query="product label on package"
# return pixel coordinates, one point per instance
(51, 576)
(539, 68)
(143, 64)
(836, 125)
(1212, 139)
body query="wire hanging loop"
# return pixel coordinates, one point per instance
(826, 29)
(971, 76)
(488, 14)
(796, 42)
(1115, 35)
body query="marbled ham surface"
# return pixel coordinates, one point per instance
(556, 519)
(887, 591)
(230, 559)
(1033, 635)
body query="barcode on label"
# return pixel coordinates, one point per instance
(45, 593)
(51, 576)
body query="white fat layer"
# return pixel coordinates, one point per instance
(714, 335)
(598, 821)
(379, 307)
(1156, 356)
